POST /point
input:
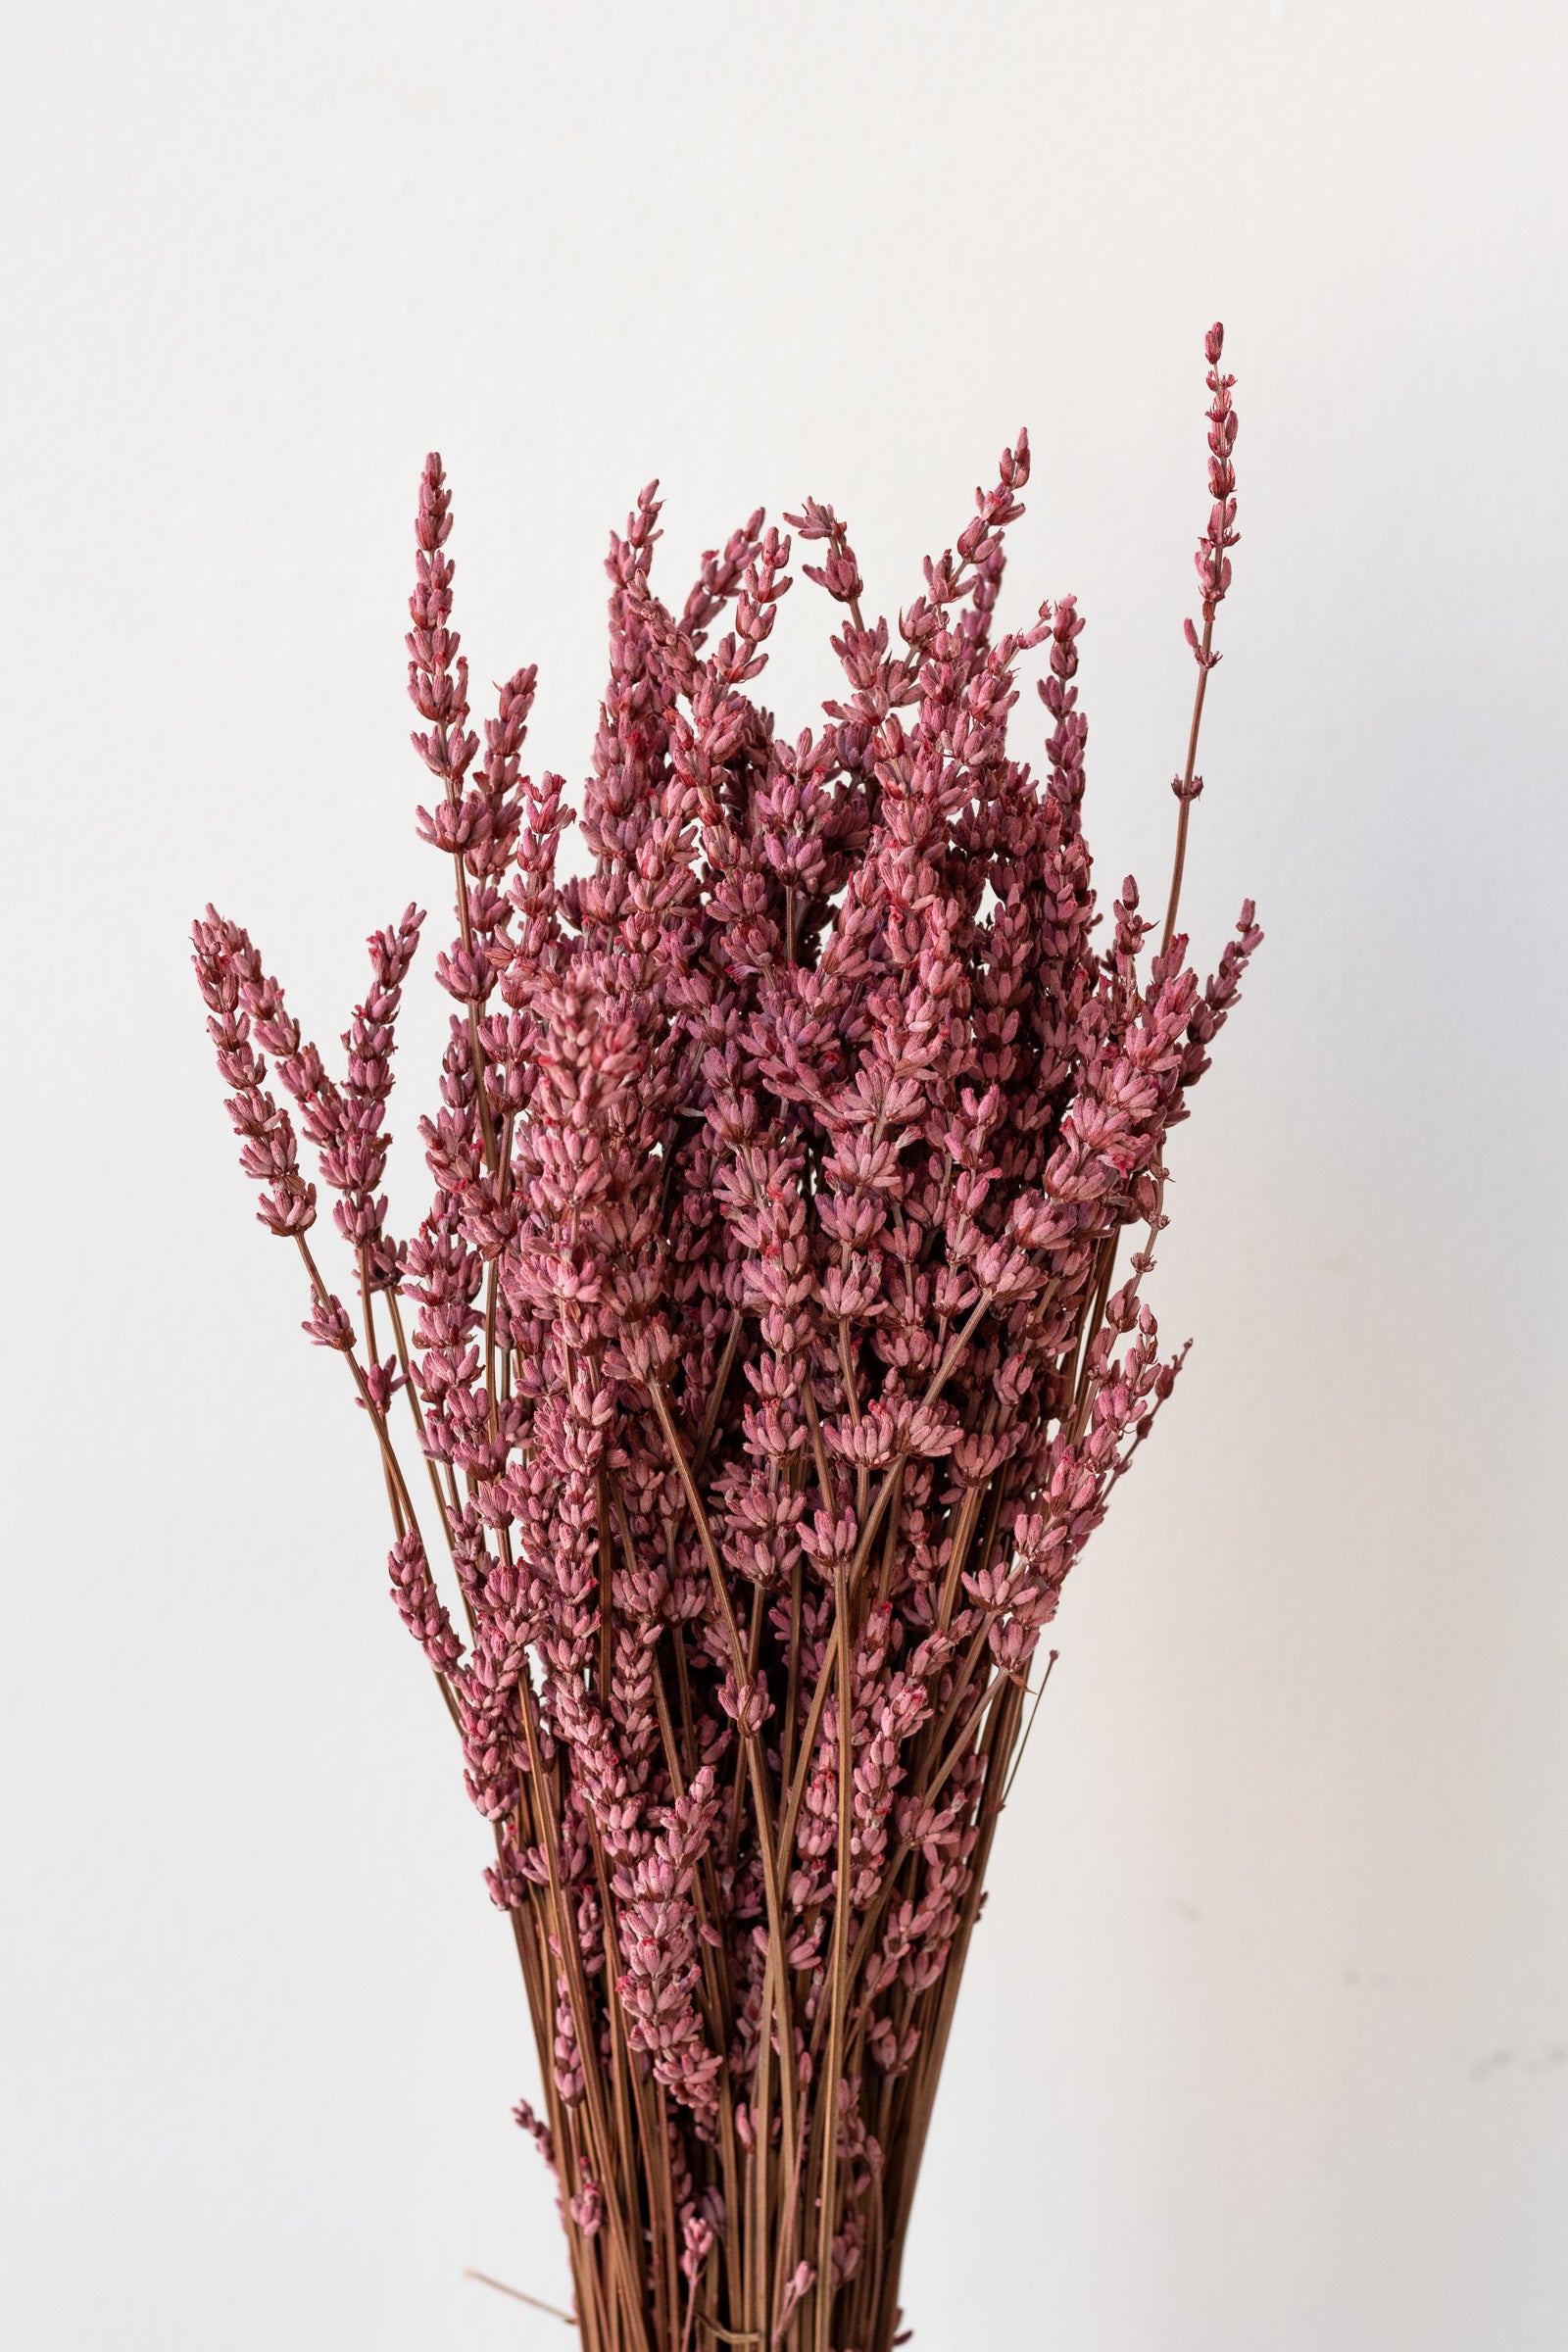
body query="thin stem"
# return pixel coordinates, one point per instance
(1030, 1725)
(756, 1762)
(551, 2310)
(838, 1981)
(1204, 666)
(398, 1492)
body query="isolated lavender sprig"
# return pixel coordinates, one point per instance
(763, 1352)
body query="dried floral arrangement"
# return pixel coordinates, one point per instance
(764, 1358)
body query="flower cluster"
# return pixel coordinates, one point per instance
(763, 1352)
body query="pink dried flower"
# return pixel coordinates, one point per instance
(764, 1354)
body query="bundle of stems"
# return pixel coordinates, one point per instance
(761, 1363)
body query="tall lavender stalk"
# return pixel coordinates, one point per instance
(763, 1356)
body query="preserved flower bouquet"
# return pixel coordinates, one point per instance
(761, 1363)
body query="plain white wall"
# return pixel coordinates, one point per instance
(1265, 2041)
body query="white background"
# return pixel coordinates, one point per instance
(1266, 2036)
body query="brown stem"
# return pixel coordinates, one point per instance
(551, 2310)
(627, 2270)
(838, 1984)
(1000, 1734)
(1186, 796)
(757, 1766)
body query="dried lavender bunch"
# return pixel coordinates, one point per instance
(765, 1353)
